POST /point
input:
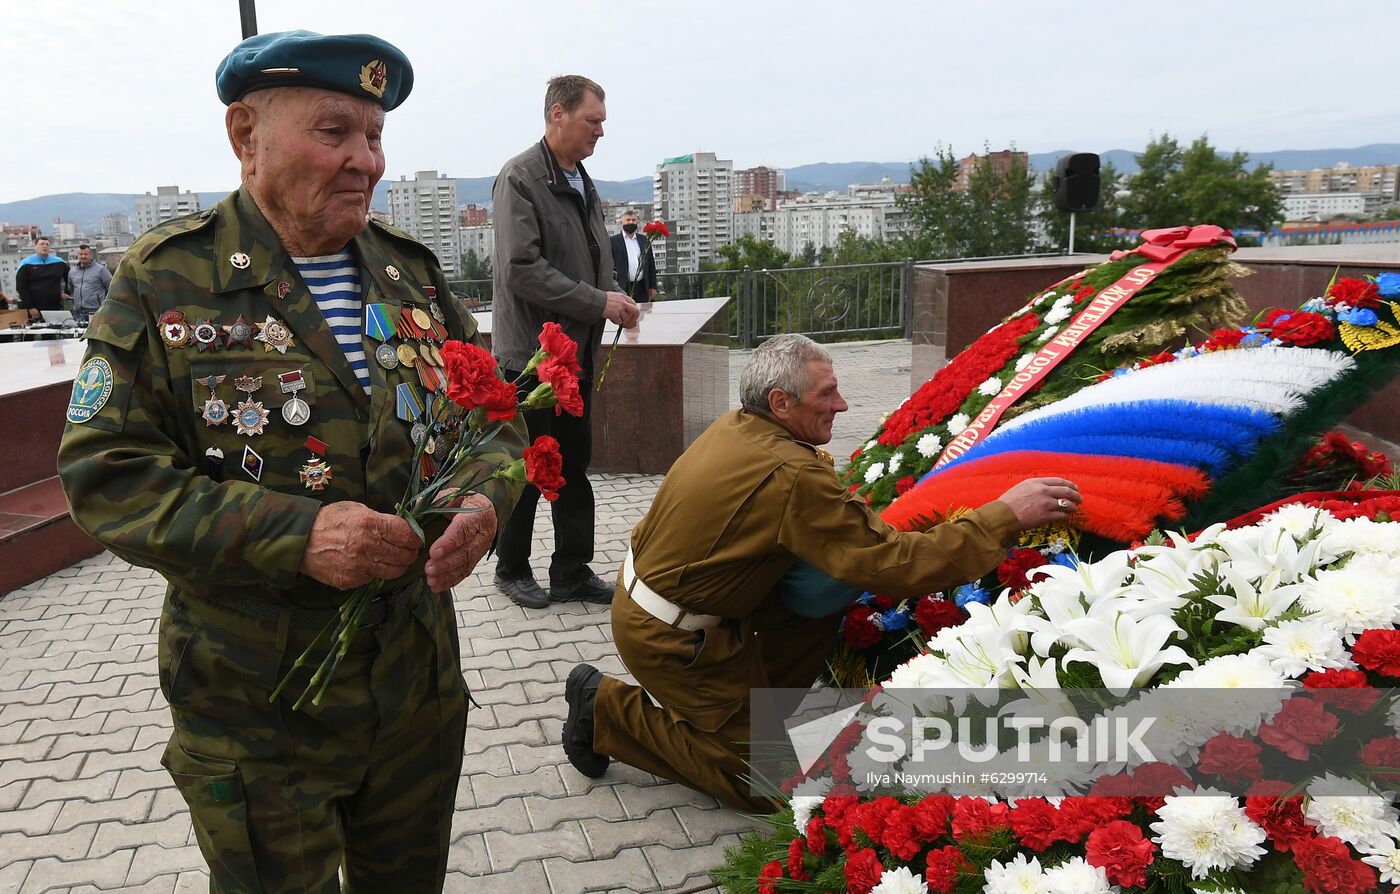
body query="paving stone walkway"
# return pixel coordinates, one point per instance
(85, 806)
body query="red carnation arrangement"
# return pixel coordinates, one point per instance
(1297, 327)
(1358, 293)
(1379, 651)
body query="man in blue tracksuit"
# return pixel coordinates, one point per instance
(42, 280)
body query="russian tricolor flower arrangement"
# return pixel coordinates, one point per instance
(1302, 605)
(1187, 436)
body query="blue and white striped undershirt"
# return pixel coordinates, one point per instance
(334, 281)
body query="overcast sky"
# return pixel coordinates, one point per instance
(118, 95)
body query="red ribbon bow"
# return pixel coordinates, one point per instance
(1171, 242)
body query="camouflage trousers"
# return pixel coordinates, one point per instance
(363, 784)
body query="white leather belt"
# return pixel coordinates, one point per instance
(661, 609)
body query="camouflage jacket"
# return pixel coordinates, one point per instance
(153, 481)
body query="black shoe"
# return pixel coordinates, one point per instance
(523, 591)
(579, 691)
(591, 589)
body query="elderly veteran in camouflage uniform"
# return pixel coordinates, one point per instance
(698, 614)
(229, 429)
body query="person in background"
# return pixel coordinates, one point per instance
(42, 280)
(627, 256)
(89, 281)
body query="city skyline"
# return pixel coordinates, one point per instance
(781, 85)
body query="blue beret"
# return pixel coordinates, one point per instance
(357, 64)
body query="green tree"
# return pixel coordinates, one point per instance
(749, 251)
(1091, 228)
(475, 267)
(992, 215)
(853, 249)
(1197, 185)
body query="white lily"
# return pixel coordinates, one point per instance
(1127, 651)
(1091, 580)
(1255, 552)
(1253, 606)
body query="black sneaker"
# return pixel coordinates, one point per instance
(591, 589)
(523, 591)
(579, 691)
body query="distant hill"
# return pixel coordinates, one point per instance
(88, 209)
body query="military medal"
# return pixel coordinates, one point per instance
(387, 356)
(240, 332)
(408, 402)
(379, 325)
(274, 335)
(252, 463)
(295, 410)
(431, 376)
(437, 313)
(407, 356)
(422, 320)
(174, 331)
(215, 411)
(205, 336)
(393, 272)
(250, 416)
(315, 474)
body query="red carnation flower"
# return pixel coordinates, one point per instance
(863, 871)
(1223, 338)
(933, 615)
(471, 374)
(900, 837)
(1035, 822)
(767, 876)
(1231, 758)
(1343, 688)
(1300, 723)
(797, 849)
(657, 229)
(816, 836)
(1015, 570)
(904, 485)
(1297, 327)
(860, 632)
(1382, 752)
(1356, 292)
(1121, 851)
(565, 385)
(1280, 817)
(975, 818)
(1154, 781)
(1079, 816)
(499, 401)
(931, 816)
(1378, 650)
(561, 349)
(544, 467)
(944, 865)
(1329, 868)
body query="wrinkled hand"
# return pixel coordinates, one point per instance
(622, 310)
(453, 555)
(1039, 501)
(350, 544)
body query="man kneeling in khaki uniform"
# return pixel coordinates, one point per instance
(696, 616)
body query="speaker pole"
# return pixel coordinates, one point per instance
(1071, 232)
(248, 16)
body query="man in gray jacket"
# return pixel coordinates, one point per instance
(552, 263)
(89, 281)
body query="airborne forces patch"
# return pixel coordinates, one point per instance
(91, 389)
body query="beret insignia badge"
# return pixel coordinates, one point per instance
(374, 77)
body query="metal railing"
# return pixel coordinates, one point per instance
(476, 293)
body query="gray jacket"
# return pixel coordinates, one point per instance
(552, 261)
(89, 287)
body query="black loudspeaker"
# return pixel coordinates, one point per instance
(1077, 182)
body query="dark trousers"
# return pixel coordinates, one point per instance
(572, 512)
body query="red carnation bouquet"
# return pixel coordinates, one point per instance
(461, 421)
(653, 231)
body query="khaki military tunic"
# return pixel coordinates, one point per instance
(736, 511)
(279, 799)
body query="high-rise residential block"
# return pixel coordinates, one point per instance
(1001, 162)
(692, 195)
(426, 208)
(167, 204)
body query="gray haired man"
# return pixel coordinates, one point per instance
(89, 281)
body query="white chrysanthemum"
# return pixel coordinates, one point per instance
(807, 797)
(1346, 809)
(1062, 311)
(1298, 519)
(1363, 536)
(1075, 876)
(1206, 830)
(896, 460)
(991, 387)
(957, 423)
(1359, 597)
(1385, 856)
(1047, 334)
(1302, 645)
(1024, 361)
(871, 444)
(1261, 691)
(1016, 876)
(900, 881)
(874, 473)
(928, 445)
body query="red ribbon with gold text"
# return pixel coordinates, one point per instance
(1162, 248)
